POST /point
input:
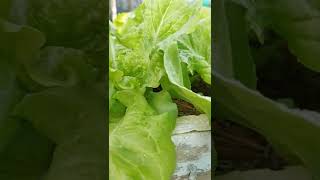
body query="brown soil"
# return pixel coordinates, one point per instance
(185, 108)
(240, 148)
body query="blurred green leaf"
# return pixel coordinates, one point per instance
(292, 130)
(73, 118)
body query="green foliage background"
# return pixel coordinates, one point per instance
(292, 131)
(52, 89)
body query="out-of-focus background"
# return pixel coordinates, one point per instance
(119, 6)
(127, 5)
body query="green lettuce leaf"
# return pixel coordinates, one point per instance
(141, 36)
(195, 48)
(154, 23)
(175, 80)
(139, 66)
(140, 145)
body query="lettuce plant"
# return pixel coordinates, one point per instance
(162, 43)
(53, 94)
